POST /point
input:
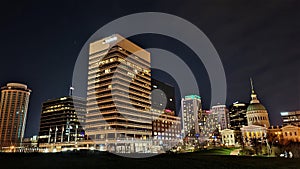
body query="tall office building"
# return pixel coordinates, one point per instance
(191, 107)
(166, 126)
(290, 118)
(13, 113)
(237, 115)
(207, 123)
(118, 98)
(220, 112)
(62, 120)
(213, 121)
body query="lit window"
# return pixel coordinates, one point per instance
(130, 74)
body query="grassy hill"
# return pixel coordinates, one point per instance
(90, 160)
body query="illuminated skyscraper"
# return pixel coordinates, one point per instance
(220, 112)
(118, 98)
(207, 123)
(13, 113)
(191, 107)
(213, 121)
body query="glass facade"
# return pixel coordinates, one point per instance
(62, 120)
(237, 115)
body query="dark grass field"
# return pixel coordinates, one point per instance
(89, 160)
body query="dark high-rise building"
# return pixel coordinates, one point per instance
(62, 120)
(237, 115)
(13, 113)
(166, 126)
(163, 96)
(118, 97)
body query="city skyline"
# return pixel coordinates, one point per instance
(112, 62)
(271, 63)
(177, 115)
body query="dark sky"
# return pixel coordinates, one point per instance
(40, 42)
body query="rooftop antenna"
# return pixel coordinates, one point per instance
(71, 90)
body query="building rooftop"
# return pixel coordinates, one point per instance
(18, 86)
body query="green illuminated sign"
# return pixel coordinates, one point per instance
(192, 97)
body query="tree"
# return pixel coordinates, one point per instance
(272, 140)
(256, 144)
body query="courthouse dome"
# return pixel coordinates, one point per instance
(255, 106)
(256, 112)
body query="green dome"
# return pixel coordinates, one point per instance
(255, 106)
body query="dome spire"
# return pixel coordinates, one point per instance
(253, 94)
(252, 87)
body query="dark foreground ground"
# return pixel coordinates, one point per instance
(89, 160)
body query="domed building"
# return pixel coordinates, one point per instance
(256, 113)
(257, 118)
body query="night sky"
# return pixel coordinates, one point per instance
(40, 42)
